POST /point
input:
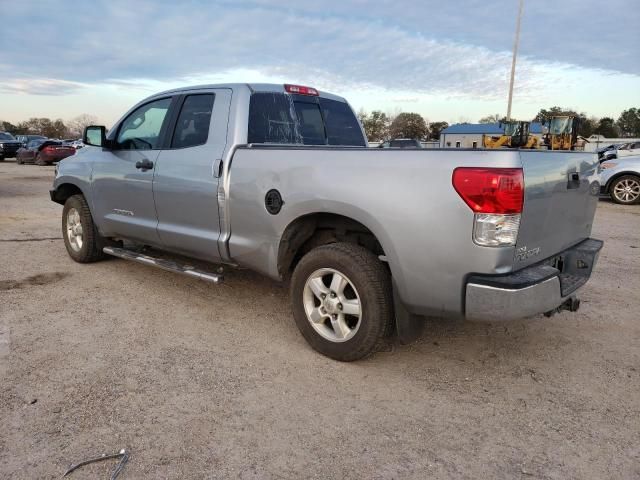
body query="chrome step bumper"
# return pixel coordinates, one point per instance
(164, 264)
(546, 287)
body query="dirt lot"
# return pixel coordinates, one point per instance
(203, 381)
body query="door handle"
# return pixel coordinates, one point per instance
(217, 168)
(144, 165)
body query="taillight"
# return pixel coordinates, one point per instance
(300, 90)
(48, 149)
(490, 190)
(496, 196)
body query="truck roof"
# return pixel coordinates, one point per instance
(253, 87)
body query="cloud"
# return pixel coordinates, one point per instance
(40, 86)
(403, 45)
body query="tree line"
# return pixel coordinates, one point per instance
(381, 126)
(57, 128)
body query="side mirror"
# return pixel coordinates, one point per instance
(95, 135)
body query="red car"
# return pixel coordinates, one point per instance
(42, 152)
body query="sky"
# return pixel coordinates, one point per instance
(448, 61)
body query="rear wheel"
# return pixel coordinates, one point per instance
(39, 160)
(625, 190)
(342, 301)
(19, 161)
(81, 237)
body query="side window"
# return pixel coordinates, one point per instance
(141, 129)
(458, 144)
(192, 127)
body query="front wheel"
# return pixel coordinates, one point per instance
(81, 237)
(625, 190)
(342, 301)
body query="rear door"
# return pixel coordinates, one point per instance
(186, 179)
(560, 199)
(122, 186)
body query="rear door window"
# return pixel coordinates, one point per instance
(192, 127)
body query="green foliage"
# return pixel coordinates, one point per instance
(409, 125)
(629, 123)
(607, 128)
(435, 128)
(376, 125)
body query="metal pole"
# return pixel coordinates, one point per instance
(516, 41)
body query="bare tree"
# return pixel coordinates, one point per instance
(495, 118)
(78, 124)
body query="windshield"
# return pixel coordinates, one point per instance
(302, 120)
(560, 125)
(511, 129)
(6, 136)
(36, 143)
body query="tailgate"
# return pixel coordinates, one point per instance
(560, 200)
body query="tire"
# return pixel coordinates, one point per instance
(89, 249)
(39, 161)
(19, 161)
(625, 190)
(368, 284)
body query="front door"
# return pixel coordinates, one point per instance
(185, 184)
(122, 190)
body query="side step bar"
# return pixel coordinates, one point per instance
(163, 264)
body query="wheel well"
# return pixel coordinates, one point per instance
(313, 230)
(64, 191)
(617, 176)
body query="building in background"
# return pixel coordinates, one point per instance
(469, 135)
(594, 142)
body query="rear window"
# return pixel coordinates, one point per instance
(302, 120)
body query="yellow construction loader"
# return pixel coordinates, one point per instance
(516, 135)
(562, 132)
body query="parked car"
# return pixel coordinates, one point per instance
(8, 146)
(25, 139)
(624, 150)
(620, 179)
(278, 179)
(603, 150)
(77, 143)
(44, 151)
(402, 143)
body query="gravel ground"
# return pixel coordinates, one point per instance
(204, 381)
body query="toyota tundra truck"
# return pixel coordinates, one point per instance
(278, 179)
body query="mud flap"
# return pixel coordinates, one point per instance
(409, 327)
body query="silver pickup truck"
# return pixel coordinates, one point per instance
(277, 178)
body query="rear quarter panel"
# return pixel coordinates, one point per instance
(405, 197)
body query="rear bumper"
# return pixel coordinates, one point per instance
(49, 158)
(541, 288)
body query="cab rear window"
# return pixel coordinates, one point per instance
(302, 120)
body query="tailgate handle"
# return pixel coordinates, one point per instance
(574, 181)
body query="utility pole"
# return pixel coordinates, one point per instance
(516, 41)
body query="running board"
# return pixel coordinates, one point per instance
(163, 264)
